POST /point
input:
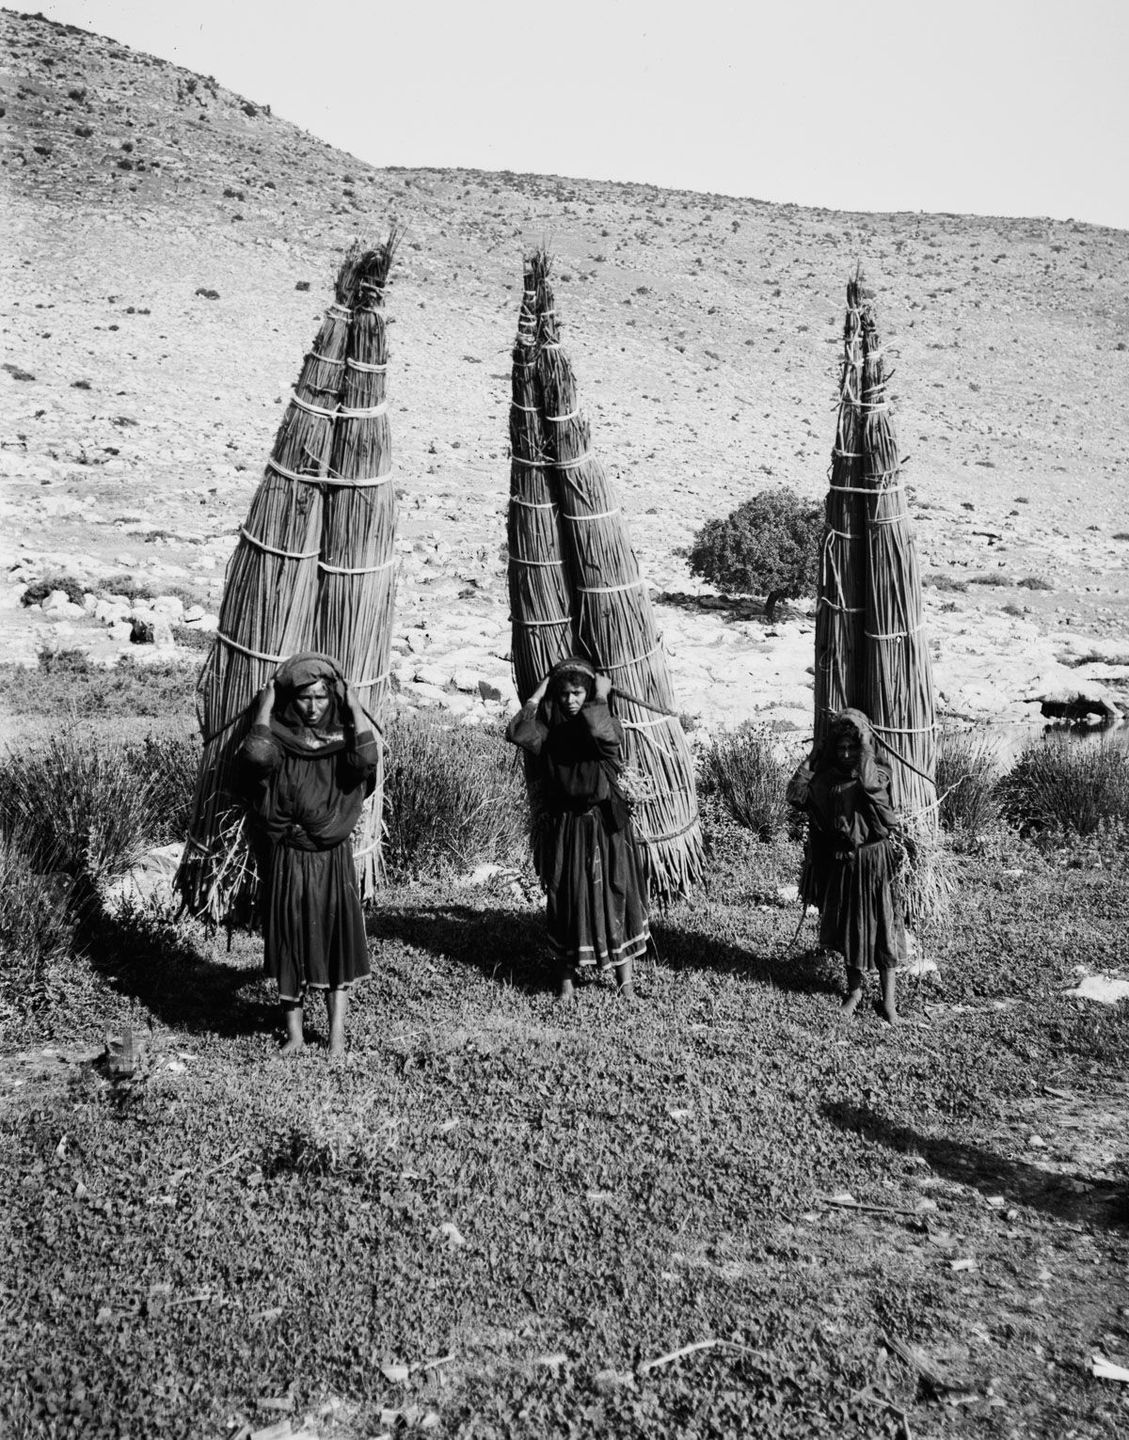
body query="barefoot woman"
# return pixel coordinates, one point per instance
(308, 763)
(845, 794)
(586, 854)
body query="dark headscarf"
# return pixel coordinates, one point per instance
(307, 668)
(575, 671)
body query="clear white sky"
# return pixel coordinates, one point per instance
(1007, 107)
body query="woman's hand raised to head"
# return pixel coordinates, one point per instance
(540, 693)
(264, 701)
(603, 687)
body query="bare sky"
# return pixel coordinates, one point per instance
(1002, 107)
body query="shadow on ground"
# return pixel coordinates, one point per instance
(154, 962)
(1104, 1202)
(509, 946)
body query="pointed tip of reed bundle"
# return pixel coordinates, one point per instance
(366, 268)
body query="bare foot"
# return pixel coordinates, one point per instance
(295, 1036)
(849, 1006)
(337, 1047)
(884, 1009)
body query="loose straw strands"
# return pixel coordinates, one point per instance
(353, 619)
(271, 598)
(615, 623)
(541, 603)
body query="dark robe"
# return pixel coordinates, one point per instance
(849, 862)
(304, 791)
(584, 847)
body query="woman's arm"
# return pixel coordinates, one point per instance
(259, 752)
(527, 729)
(363, 755)
(605, 730)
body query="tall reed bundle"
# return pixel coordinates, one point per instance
(871, 651)
(541, 605)
(897, 680)
(269, 610)
(841, 585)
(614, 620)
(353, 621)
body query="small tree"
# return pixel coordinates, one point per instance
(767, 546)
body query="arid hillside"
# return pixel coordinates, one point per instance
(168, 248)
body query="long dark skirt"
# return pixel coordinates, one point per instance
(860, 916)
(596, 889)
(313, 927)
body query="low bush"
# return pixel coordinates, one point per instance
(743, 771)
(167, 766)
(39, 590)
(967, 776)
(1071, 786)
(35, 926)
(767, 546)
(77, 806)
(453, 797)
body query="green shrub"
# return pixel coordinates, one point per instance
(1068, 785)
(967, 777)
(76, 805)
(744, 772)
(39, 589)
(167, 765)
(767, 546)
(129, 586)
(453, 796)
(35, 925)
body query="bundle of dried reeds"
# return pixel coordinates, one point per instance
(897, 680)
(839, 620)
(615, 625)
(357, 561)
(541, 605)
(272, 604)
(871, 649)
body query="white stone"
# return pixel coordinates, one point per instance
(466, 681)
(1105, 989)
(194, 613)
(431, 675)
(106, 612)
(171, 607)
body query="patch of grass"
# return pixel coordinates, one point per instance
(1066, 786)
(36, 927)
(606, 1186)
(947, 583)
(191, 637)
(129, 586)
(967, 776)
(745, 772)
(1034, 582)
(76, 805)
(453, 796)
(67, 684)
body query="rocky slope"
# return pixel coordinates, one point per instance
(167, 251)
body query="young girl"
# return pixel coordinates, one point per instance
(845, 794)
(586, 855)
(308, 763)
